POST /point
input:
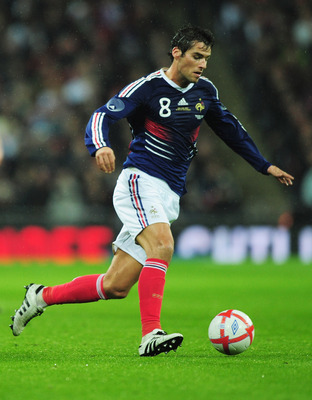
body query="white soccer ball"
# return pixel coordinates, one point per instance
(231, 332)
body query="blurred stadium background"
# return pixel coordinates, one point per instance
(61, 59)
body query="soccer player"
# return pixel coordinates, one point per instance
(165, 110)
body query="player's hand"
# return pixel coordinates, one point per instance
(105, 159)
(280, 175)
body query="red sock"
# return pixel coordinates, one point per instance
(83, 289)
(151, 289)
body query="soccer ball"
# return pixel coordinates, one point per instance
(231, 332)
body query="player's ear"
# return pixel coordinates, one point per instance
(176, 52)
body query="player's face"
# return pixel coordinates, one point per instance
(191, 64)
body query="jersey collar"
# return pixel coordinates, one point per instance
(173, 84)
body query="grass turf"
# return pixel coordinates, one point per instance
(89, 351)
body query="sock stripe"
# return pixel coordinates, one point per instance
(152, 263)
(99, 287)
(164, 269)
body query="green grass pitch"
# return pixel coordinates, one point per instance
(89, 351)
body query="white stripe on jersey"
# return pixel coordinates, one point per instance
(128, 90)
(159, 141)
(96, 128)
(157, 147)
(156, 74)
(125, 92)
(191, 155)
(208, 80)
(100, 129)
(158, 154)
(133, 89)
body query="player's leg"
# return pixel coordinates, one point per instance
(122, 274)
(157, 241)
(88, 288)
(145, 205)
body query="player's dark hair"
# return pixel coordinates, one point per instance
(188, 35)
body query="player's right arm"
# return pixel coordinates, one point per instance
(97, 131)
(118, 107)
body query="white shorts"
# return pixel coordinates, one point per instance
(141, 200)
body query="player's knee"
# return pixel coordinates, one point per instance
(114, 289)
(164, 249)
(115, 292)
(157, 241)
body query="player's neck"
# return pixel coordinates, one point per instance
(175, 77)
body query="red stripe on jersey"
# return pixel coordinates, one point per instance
(129, 87)
(158, 130)
(195, 134)
(95, 129)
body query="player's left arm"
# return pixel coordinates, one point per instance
(280, 175)
(232, 132)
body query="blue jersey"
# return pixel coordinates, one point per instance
(165, 120)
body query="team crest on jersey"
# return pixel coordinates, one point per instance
(200, 106)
